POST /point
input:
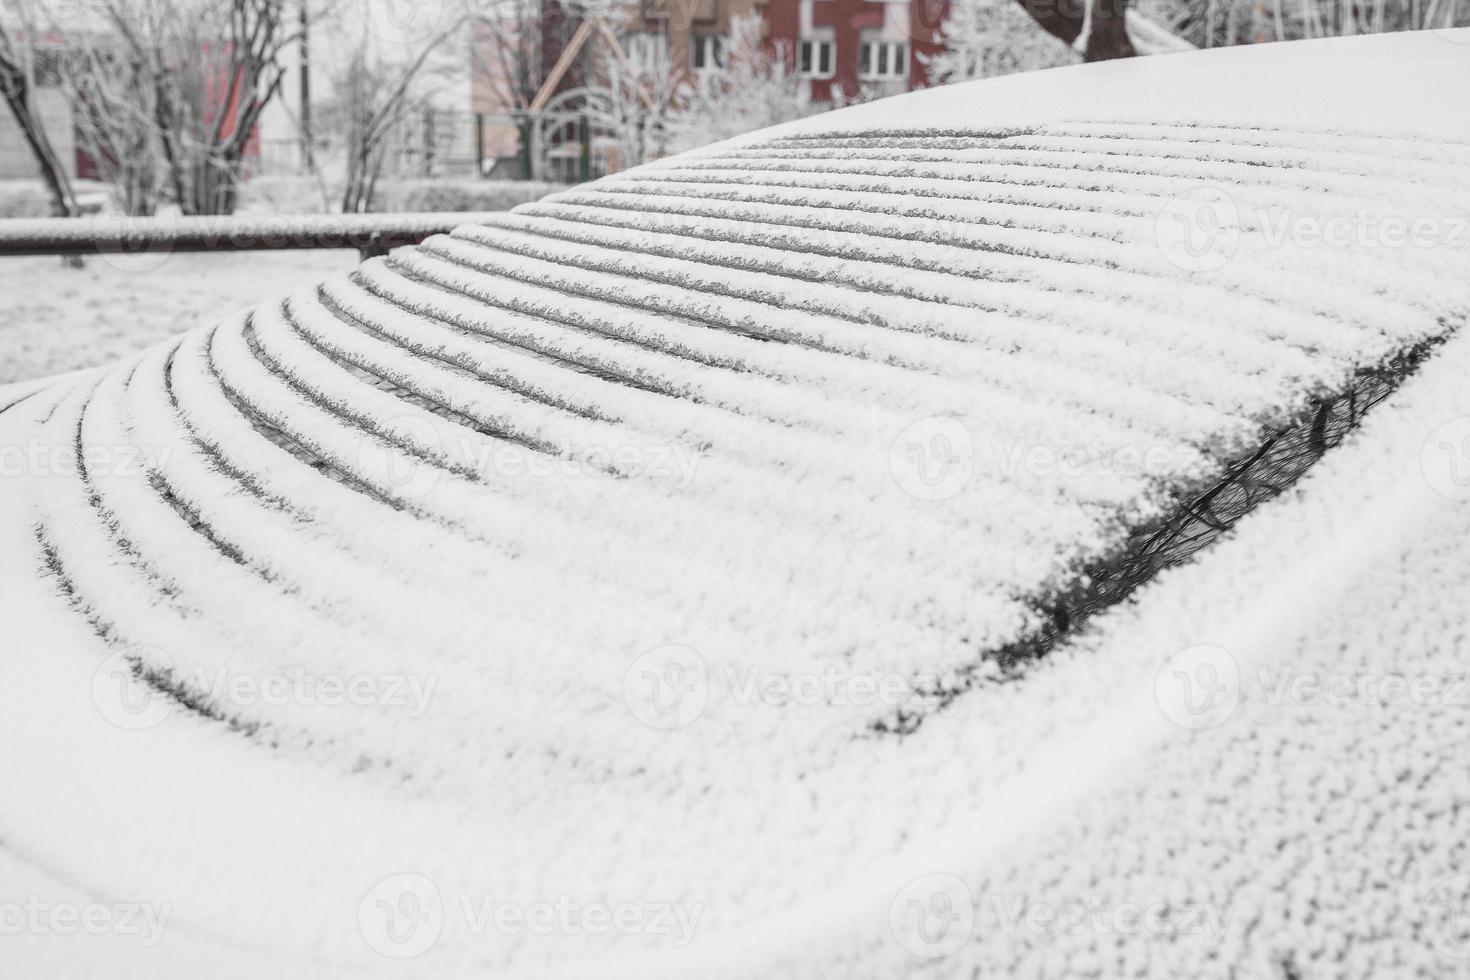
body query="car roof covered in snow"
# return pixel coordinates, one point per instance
(681, 533)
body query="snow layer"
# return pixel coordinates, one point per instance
(629, 514)
(55, 318)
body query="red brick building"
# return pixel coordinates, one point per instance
(851, 45)
(858, 45)
(864, 48)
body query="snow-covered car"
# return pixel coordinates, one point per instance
(1013, 529)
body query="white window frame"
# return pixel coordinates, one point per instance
(809, 51)
(644, 49)
(893, 56)
(707, 48)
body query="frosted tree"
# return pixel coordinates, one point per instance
(1217, 23)
(18, 73)
(994, 37)
(505, 58)
(640, 100)
(115, 112)
(168, 93)
(381, 86)
(756, 87)
(998, 37)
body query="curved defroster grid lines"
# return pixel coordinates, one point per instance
(671, 407)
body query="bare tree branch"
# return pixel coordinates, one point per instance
(16, 83)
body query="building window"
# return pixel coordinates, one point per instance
(645, 52)
(883, 59)
(816, 58)
(706, 53)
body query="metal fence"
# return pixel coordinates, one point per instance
(570, 140)
(370, 234)
(433, 143)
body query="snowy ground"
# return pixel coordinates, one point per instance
(58, 319)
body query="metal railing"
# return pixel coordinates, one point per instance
(370, 234)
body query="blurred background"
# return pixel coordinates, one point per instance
(142, 109)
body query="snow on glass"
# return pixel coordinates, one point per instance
(800, 427)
